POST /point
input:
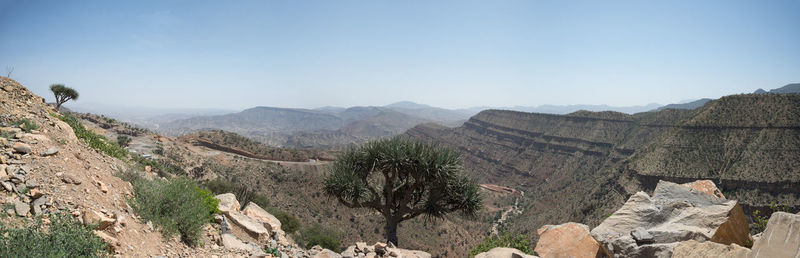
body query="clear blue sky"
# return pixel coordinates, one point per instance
(239, 54)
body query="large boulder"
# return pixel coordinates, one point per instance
(253, 227)
(781, 238)
(271, 222)
(503, 252)
(227, 203)
(567, 240)
(708, 249)
(648, 226)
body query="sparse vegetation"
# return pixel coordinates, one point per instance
(318, 235)
(93, 139)
(402, 179)
(123, 140)
(519, 241)
(760, 221)
(63, 237)
(63, 94)
(26, 124)
(175, 205)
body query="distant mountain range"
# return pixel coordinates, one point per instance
(328, 127)
(789, 88)
(336, 127)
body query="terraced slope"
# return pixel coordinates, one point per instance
(748, 144)
(582, 166)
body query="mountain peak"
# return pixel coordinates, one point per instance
(407, 105)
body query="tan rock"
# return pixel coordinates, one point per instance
(66, 178)
(21, 148)
(325, 253)
(35, 193)
(503, 252)
(66, 130)
(781, 238)
(102, 186)
(694, 249)
(271, 222)
(231, 242)
(91, 217)
(253, 227)
(567, 240)
(705, 186)
(227, 203)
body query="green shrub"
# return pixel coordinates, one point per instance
(163, 167)
(64, 237)
(211, 203)
(317, 235)
(289, 223)
(123, 140)
(760, 222)
(243, 194)
(273, 251)
(519, 241)
(94, 140)
(174, 205)
(26, 124)
(128, 175)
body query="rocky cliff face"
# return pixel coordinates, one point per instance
(582, 166)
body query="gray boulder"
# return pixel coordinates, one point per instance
(648, 226)
(781, 238)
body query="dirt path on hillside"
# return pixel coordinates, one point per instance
(514, 209)
(208, 152)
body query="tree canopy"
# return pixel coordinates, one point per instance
(63, 94)
(402, 179)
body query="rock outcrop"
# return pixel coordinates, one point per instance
(694, 249)
(781, 237)
(648, 226)
(567, 240)
(504, 252)
(268, 220)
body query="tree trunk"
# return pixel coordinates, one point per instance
(391, 231)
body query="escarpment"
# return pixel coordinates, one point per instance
(582, 166)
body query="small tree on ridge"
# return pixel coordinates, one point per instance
(63, 94)
(402, 179)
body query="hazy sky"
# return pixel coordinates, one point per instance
(239, 54)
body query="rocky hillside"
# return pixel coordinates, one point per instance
(582, 166)
(55, 165)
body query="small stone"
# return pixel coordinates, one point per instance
(32, 183)
(361, 246)
(69, 179)
(22, 148)
(8, 186)
(35, 193)
(102, 186)
(37, 204)
(50, 151)
(21, 208)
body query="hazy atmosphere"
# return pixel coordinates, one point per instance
(400, 129)
(452, 54)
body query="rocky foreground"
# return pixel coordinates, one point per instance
(688, 220)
